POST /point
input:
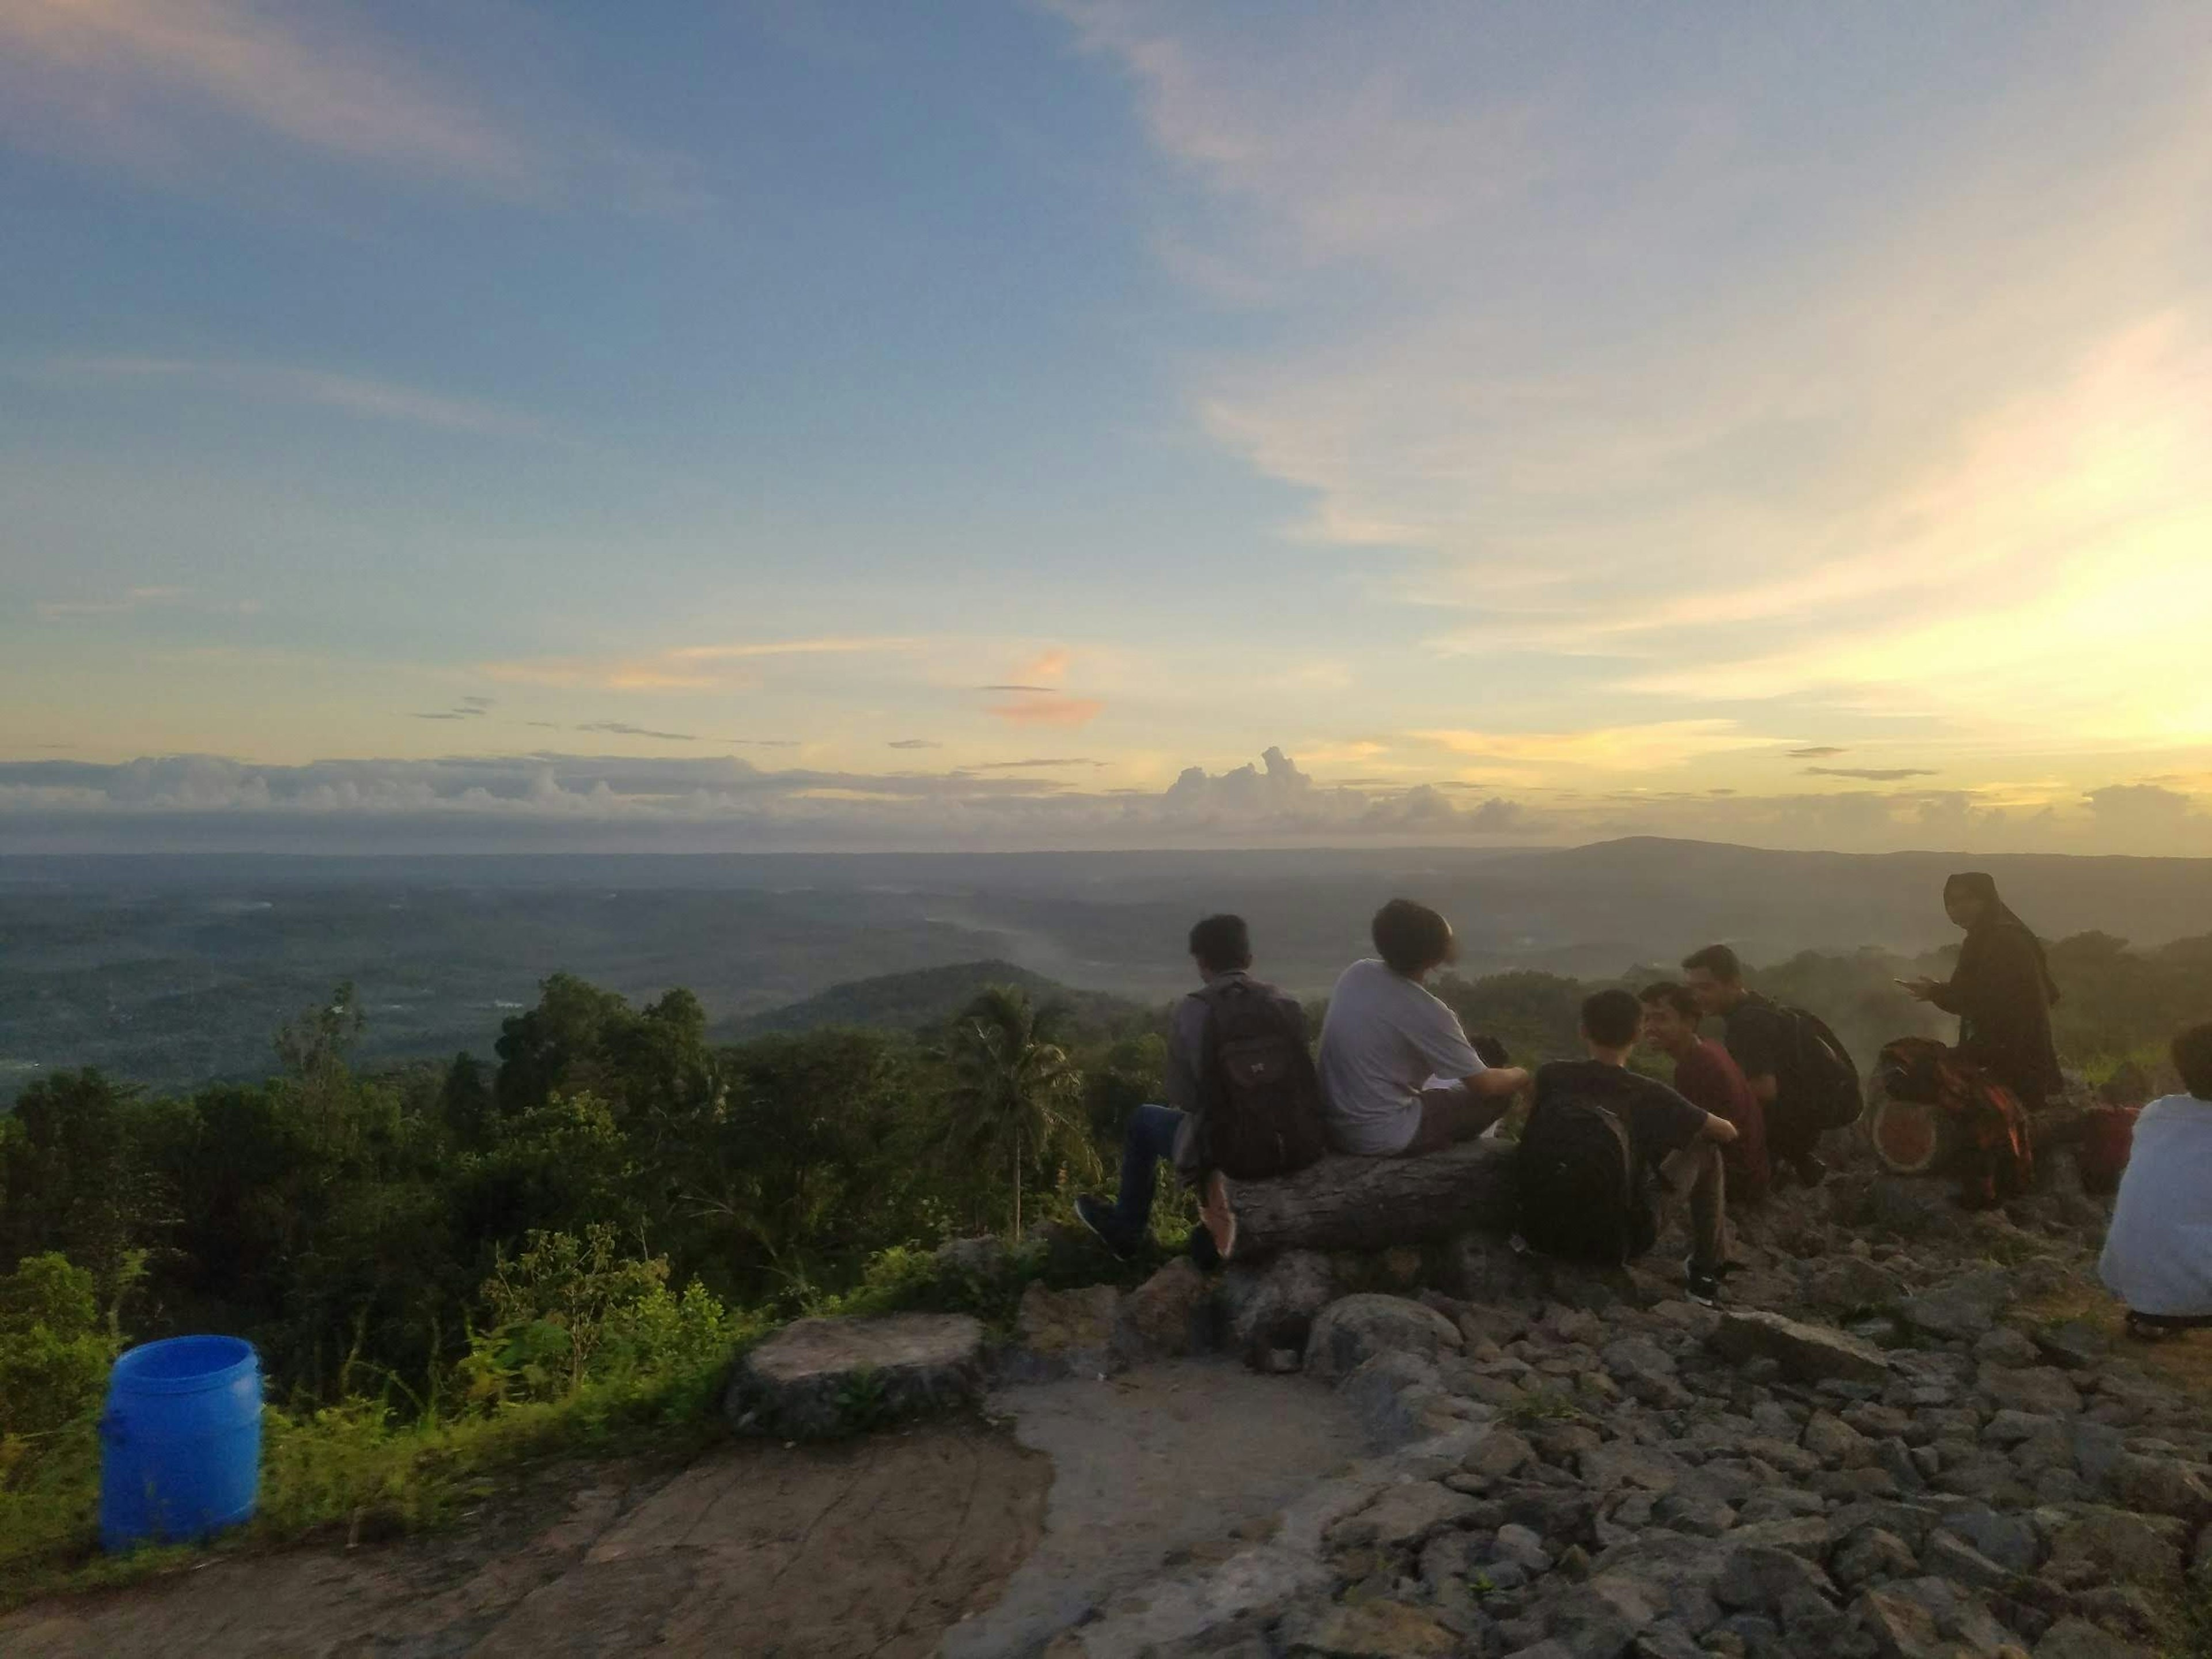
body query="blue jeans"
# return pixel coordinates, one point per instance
(1149, 1139)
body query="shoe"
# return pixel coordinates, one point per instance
(1219, 1219)
(1701, 1285)
(1811, 1170)
(1097, 1214)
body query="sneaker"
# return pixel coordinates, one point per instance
(1219, 1219)
(1097, 1214)
(1701, 1285)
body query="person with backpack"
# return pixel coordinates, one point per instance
(1707, 1076)
(1800, 1073)
(2002, 991)
(1601, 1139)
(1243, 1103)
(1397, 1075)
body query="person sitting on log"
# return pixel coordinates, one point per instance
(1707, 1076)
(2157, 1255)
(1243, 1100)
(1600, 1138)
(1397, 1075)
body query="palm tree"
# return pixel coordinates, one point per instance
(1015, 1093)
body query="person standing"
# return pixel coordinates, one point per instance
(2002, 991)
(1707, 1076)
(1758, 1037)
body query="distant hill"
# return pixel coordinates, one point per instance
(907, 1002)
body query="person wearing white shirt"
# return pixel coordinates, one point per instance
(2157, 1255)
(1397, 1075)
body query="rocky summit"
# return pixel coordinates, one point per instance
(1881, 1448)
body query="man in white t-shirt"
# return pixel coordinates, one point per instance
(1397, 1073)
(2157, 1255)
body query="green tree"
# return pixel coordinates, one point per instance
(73, 1178)
(1015, 1099)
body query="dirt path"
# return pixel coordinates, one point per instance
(878, 1547)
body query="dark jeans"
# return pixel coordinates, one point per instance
(1696, 1172)
(1148, 1141)
(1791, 1136)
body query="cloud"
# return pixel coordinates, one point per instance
(1050, 667)
(624, 729)
(355, 395)
(913, 743)
(1609, 749)
(1041, 690)
(682, 668)
(1027, 765)
(1039, 705)
(1819, 752)
(1871, 773)
(208, 88)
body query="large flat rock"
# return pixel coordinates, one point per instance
(818, 1378)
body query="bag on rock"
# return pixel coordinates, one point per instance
(1578, 1191)
(1260, 1110)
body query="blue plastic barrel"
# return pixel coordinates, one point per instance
(181, 1441)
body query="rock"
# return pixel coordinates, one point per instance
(2159, 1485)
(2011, 1428)
(1959, 1618)
(1806, 1353)
(1599, 1620)
(1498, 1454)
(1620, 1463)
(2008, 1540)
(1847, 1284)
(1173, 1614)
(1962, 1310)
(1807, 1537)
(1165, 1317)
(1064, 1332)
(1273, 1305)
(1951, 1556)
(1638, 1359)
(1402, 1517)
(2097, 1546)
(1900, 1626)
(1352, 1329)
(1764, 1577)
(1522, 1545)
(1370, 1629)
(981, 1260)
(1835, 1443)
(1871, 1555)
(1397, 1398)
(817, 1378)
(2005, 1346)
(2044, 1389)
(2077, 1638)
(2073, 1346)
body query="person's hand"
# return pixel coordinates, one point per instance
(1920, 990)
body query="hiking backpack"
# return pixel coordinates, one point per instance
(1818, 1080)
(1578, 1184)
(1259, 1111)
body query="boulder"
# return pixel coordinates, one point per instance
(1368, 1630)
(1402, 1517)
(1272, 1305)
(1964, 1308)
(1166, 1316)
(1762, 1578)
(1901, 1627)
(818, 1378)
(1058, 1333)
(1849, 1283)
(1354, 1328)
(1872, 1555)
(1806, 1353)
(2073, 1345)
(2077, 1638)
(2040, 1389)
(1371, 1204)
(2158, 1485)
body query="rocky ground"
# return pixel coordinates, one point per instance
(1885, 1447)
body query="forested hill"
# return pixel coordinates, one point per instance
(930, 996)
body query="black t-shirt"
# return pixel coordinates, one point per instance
(1660, 1122)
(1756, 1037)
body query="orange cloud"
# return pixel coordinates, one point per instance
(683, 668)
(1038, 707)
(1049, 666)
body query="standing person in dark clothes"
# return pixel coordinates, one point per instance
(1757, 1034)
(1707, 1076)
(2002, 991)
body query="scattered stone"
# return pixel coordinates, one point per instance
(1761, 1577)
(2073, 1345)
(1807, 1354)
(818, 1378)
(1164, 1318)
(1608, 1467)
(2077, 1638)
(2094, 1546)
(1498, 1454)
(1370, 1629)
(1402, 1517)
(2159, 1485)
(1870, 1555)
(1848, 1283)
(2040, 1389)
(1273, 1305)
(1523, 1544)
(1952, 1557)
(1063, 1332)
(1962, 1310)
(2005, 1346)
(2012, 1428)
(1835, 1443)
(2008, 1540)
(1901, 1627)
(1352, 1329)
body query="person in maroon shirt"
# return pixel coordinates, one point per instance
(1707, 1076)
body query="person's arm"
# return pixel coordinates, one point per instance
(1186, 1042)
(1493, 1082)
(1717, 1127)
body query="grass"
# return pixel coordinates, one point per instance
(2183, 1362)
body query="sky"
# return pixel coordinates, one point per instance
(1098, 422)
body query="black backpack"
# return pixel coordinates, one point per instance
(1579, 1196)
(1260, 1100)
(1818, 1080)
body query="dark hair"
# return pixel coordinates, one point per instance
(1718, 960)
(1490, 1051)
(1611, 1019)
(1222, 944)
(1412, 937)
(2192, 1057)
(1996, 913)
(1676, 997)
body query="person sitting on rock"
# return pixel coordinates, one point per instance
(1599, 1140)
(1243, 1100)
(2157, 1255)
(1758, 1037)
(1707, 1076)
(1397, 1075)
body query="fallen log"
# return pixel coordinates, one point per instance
(1375, 1203)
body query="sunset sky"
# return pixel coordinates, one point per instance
(730, 426)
